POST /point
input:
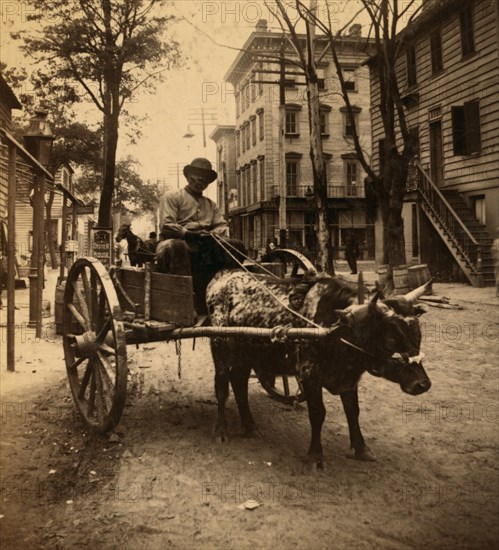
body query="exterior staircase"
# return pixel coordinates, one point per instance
(455, 222)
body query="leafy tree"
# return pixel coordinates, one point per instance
(132, 194)
(108, 49)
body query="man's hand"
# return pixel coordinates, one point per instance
(193, 236)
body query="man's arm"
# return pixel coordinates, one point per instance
(168, 214)
(219, 224)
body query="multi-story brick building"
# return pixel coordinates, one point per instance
(258, 154)
(448, 73)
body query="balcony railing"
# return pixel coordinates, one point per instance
(333, 191)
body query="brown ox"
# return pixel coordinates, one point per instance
(382, 338)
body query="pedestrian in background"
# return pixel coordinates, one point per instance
(352, 252)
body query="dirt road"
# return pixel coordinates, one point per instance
(161, 481)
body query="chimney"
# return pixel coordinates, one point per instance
(355, 30)
(261, 25)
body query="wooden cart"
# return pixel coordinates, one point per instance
(103, 312)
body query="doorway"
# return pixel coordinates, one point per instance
(436, 156)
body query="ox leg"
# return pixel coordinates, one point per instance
(221, 387)
(239, 378)
(350, 400)
(316, 415)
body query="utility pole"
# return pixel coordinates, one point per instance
(282, 152)
(202, 117)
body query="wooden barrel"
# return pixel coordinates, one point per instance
(59, 300)
(401, 279)
(418, 275)
(383, 275)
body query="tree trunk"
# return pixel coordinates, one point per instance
(110, 146)
(320, 182)
(48, 230)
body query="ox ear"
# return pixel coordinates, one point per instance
(379, 290)
(373, 302)
(353, 314)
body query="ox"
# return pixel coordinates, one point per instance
(382, 337)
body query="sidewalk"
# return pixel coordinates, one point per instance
(38, 361)
(455, 291)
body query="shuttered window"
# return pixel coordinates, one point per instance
(467, 33)
(436, 51)
(466, 128)
(411, 66)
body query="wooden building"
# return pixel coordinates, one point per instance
(8, 101)
(448, 73)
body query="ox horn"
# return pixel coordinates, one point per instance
(412, 296)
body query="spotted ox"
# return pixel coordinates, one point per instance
(382, 338)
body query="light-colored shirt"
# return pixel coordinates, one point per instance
(180, 211)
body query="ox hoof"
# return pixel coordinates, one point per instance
(221, 438)
(313, 465)
(363, 454)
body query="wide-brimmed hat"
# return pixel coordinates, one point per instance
(203, 167)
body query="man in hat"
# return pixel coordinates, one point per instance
(189, 220)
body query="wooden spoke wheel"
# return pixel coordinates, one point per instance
(94, 344)
(294, 263)
(285, 389)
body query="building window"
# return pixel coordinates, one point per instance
(254, 178)
(261, 175)
(321, 79)
(247, 134)
(292, 126)
(238, 144)
(411, 66)
(466, 128)
(436, 51)
(253, 130)
(243, 138)
(324, 119)
(292, 175)
(351, 176)
(238, 186)
(479, 207)
(289, 82)
(349, 78)
(348, 127)
(261, 125)
(291, 122)
(467, 34)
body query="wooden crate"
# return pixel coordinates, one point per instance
(171, 295)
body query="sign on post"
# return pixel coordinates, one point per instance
(102, 245)
(84, 209)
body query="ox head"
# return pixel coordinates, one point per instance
(389, 333)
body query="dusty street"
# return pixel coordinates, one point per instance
(161, 481)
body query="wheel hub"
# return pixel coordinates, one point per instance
(85, 345)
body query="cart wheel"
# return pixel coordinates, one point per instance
(295, 264)
(94, 344)
(288, 395)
